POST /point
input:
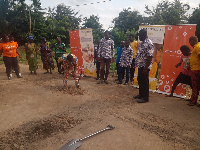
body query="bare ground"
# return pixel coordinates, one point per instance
(38, 113)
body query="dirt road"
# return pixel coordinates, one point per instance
(38, 114)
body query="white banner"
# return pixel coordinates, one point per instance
(87, 46)
(155, 33)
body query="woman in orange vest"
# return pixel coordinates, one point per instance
(10, 54)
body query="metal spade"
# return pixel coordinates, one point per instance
(75, 143)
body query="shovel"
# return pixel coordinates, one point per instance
(75, 143)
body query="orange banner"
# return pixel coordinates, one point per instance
(175, 37)
(75, 46)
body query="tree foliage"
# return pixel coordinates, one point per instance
(20, 20)
(97, 28)
(167, 12)
(127, 20)
(195, 19)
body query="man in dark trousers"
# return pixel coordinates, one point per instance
(143, 61)
(106, 54)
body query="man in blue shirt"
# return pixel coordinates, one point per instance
(119, 53)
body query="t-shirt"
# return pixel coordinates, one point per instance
(126, 57)
(58, 51)
(119, 53)
(194, 59)
(9, 49)
(145, 49)
(186, 65)
(134, 46)
(106, 48)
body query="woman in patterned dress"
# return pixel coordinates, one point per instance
(31, 55)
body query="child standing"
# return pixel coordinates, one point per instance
(185, 75)
(119, 53)
(125, 62)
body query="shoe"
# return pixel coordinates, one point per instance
(19, 77)
(100, 81)
(137, 97)
(125, 83)
(106, 81)
(191, 103)
(97, 78)
(9, 78)
(119, 82)
(142, 101)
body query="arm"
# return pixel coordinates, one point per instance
(177, 65)
(199, 56)
(1, 52)
(99, 50)
(17, 51)
(131, 57)
(64, 48)
(1, 49)
(112, 51)
(148, 62)
(150, 50)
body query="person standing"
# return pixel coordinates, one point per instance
(11, 38)
(195, 69)
(60, 49)
(143, 62)
(134, 46)
(105, 54)
(10, 53)
(96, 61)
(119, 53)
(125, 62)
(46, 58)
(31, 55)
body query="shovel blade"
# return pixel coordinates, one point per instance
(71, 145)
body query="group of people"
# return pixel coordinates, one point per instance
(131, 55)
(66, 63)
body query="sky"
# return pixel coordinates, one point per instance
(107, 10)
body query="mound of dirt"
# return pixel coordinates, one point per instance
(71, 90)
(28, 133)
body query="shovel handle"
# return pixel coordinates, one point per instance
(109, 127)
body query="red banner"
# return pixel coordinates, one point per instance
(76, 49)
(175, 37)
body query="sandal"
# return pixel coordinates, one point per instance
(191, 104)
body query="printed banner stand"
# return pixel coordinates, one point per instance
(175, 37)
(81, 43)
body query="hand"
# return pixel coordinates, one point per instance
(20, 56)
(177, 65)
(113, 60)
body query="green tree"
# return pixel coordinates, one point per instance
(60, 20)
(195, 19)
(127, 20)
(97, 29)
(167, 12)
